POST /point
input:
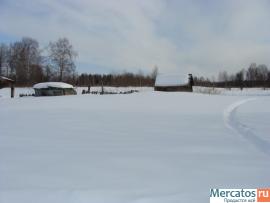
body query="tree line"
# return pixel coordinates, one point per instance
(254, 76)
(116, 80)
(27, 63)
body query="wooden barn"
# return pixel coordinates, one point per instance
(174, 83)
(7, 82)
(53, 89)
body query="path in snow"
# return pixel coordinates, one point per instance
(242, 129)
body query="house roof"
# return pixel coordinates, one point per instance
(171, 80)
(6, 79)
(45, 85)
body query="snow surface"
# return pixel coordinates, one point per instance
(171, 80)
(148, 147)
(52, 84)
(232, 91)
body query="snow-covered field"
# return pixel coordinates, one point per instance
(147, 147)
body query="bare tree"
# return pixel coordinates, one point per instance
(33, 60)
(18, 62)
(24, 60)
(154, 73)
(3, 59)
(62, 56)
(251, 73)
(239, 78)
(262, 72)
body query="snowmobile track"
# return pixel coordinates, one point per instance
(246, 133)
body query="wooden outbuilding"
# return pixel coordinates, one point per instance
(7, 82)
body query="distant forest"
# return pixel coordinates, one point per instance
(28, 64)
(253, 76)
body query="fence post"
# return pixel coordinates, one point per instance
(12, 90)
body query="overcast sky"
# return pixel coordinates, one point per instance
(178, 36)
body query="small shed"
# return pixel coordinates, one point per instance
(174, 83)
(53, 89)
(7, 82)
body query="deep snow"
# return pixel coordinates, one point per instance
(52, 84)
(147, 147)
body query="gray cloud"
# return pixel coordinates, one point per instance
(177, 36)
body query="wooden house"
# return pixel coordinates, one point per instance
(174, 83)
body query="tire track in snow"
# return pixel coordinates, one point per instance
(242, 129)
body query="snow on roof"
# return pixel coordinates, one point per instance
(5, 78)
(44, 85)
(171, 80)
